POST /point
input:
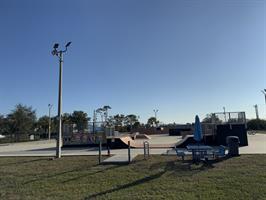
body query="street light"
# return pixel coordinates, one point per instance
(59, 54)
(155, 114)
(264, 92)
(49, 127)
(224, 115)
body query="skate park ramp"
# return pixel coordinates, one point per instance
(162, 141)
(189, 139)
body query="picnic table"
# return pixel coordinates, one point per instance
(199, 151)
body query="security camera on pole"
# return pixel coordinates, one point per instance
(59, 54)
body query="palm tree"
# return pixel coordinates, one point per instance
(105, 111)
(100, 111)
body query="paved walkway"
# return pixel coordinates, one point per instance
(257, 145)
(119, 158)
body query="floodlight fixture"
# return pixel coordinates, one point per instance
(67, 45)
(54, 52)
(56, 45)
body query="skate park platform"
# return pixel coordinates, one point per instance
(155, 141)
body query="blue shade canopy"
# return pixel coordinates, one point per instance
(197, 130)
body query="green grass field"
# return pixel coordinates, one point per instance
(160, 177)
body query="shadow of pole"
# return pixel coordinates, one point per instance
(137, 182)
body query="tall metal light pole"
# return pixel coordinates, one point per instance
(49, 127)
(264, 92)
(59, 54)
(224, 115)
(256, 111)
(155, 115)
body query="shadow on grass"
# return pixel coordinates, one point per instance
(24, 162)
(93, 173)
(43, 149)
(186, 168)
(69, 171)
(134, 183)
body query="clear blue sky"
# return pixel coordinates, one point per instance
(182, 57)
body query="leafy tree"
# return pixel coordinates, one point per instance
(256, 124)
(105, 111)
(119, 120)
(66, 118)
(4, 126)
(131, 121)
(211, 118)
(43, 124)
(81, 119)
(22, 120)
(151, 121)
(101, 112)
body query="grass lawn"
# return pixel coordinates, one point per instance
(160, 177)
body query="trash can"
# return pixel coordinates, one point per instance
(233, 145)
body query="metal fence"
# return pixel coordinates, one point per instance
(227, 117)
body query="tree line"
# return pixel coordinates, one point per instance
(22, 121)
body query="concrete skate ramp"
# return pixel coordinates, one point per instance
(122, 142)
(143, 137)
(189, 139)
(133, 143)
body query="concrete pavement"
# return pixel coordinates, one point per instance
(257, 145)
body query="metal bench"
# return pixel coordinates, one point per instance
(180, 153)
(219, 152)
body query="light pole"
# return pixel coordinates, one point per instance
(256, 111)
(49, 127)
(155, 114)
(264, 92)
(59, 54)
(224, 115)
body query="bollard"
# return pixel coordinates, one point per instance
(100, 152)
(108, 150)
(146, 148)
(129, 159)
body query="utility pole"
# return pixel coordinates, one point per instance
(49, 127)
(256, 111)
(155, 115)
(59, 54)
(93, 122)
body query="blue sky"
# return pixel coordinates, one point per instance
(182, 57)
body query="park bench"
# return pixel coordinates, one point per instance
(180, 153)
(219, 152)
